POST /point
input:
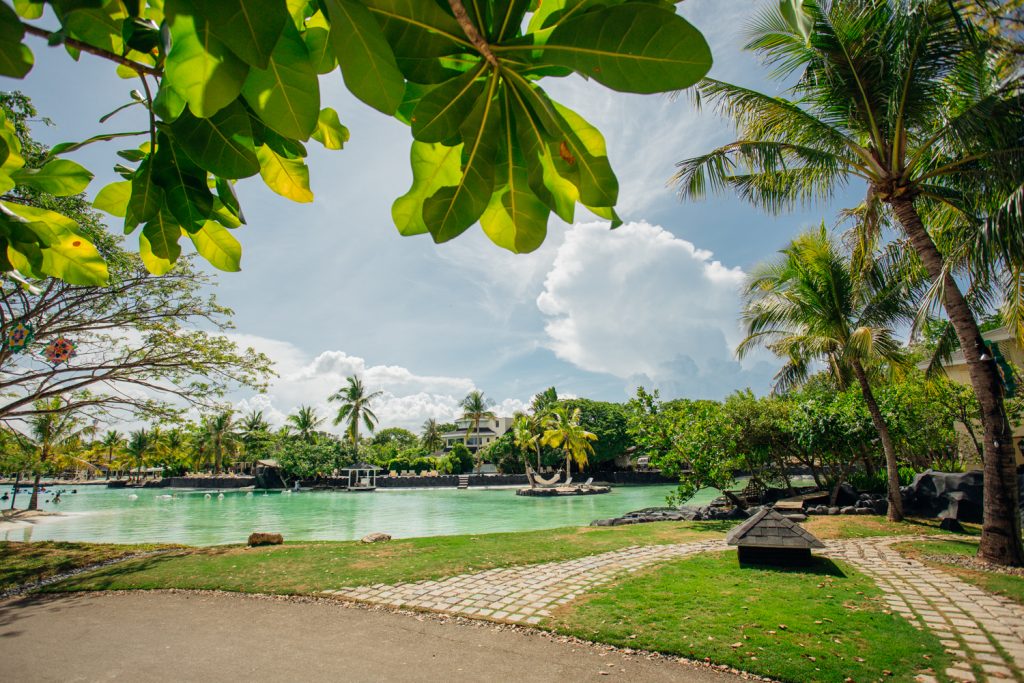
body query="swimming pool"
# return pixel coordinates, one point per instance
(96, 513)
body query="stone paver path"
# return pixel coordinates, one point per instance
(520, 595)
(983, 632)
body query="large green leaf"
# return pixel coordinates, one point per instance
(168, 103)
(114, 198)
(443, 110)
(557, 193)
(187, 195)
(506, 18)
(158, 243)
(248, 27)
(419, 34)
(15, 58)
(199, 67)
(584, 163)
(221, 144)
(218, 246)
(67, 254)
(636, 47)
(287, 177)
(318, 43)
(367, 62)
(329, 130)
(146, 197)
(286, 95)
(515, 218)
(59, 177)
(433, 166)
(452, 209)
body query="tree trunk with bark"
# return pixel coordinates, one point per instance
(891, 467)
(1001, 528)
(33, 501)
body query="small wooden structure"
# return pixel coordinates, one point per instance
(769, 538)
(361, 476)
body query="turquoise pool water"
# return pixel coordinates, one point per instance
(112, 515)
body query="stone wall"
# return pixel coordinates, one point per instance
(210, 482)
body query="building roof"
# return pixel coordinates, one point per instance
(769, 529)
(484, 431)
(268, 462)
(999, 334)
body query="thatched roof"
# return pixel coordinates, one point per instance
(769, 529)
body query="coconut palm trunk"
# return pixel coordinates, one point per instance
(1001, 537)
(892, 469)
(33, 501)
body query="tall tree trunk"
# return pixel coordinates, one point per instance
(14, 493)
(33, 502)
(891, 467)
(1001, 528)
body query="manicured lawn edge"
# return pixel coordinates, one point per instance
(823, 624)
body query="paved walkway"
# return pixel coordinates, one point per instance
(984, 632)
(519, 595)
(162, 636)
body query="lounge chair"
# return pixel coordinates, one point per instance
(392, 473)
(587, 483)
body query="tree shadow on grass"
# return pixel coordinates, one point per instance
(106, 578)
(819, 566)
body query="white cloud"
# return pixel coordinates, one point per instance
(648, 307)
(407, 399)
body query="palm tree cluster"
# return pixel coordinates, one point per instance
(913, 100)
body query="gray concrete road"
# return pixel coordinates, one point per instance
(188, 637)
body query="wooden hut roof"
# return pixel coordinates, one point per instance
(769, 529)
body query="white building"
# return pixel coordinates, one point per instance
(487, 431)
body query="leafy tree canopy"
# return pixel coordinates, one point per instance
(231, 89)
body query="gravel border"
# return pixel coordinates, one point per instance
(23, 588)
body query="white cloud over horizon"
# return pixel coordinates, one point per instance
(649, 308)
(407, 399)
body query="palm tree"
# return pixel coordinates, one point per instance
(562, 430)
(254, 432)
(544, 401)
(476, 407)
(812, 304)
(305, 421)
(527, 433)
(51, 428)
(431, 439)
(218, 436)
(355, 406)
(901, 96)
(112, 440)
(140, 444)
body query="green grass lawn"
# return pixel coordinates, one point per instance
(22, 563)
(314, 566)
(1008, 585)
(823, 623)
(308, 567)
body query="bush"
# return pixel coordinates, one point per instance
(879, 483)
(463, 459)
(423, 464)
(398, 465)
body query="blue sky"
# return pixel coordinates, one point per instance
(331, 288)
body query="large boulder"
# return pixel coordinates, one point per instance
(258, 538)
(376, 537)
(956, 495)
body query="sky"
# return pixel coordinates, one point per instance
(330, 289)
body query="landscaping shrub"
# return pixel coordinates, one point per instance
(398, 465)
(423, 465)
